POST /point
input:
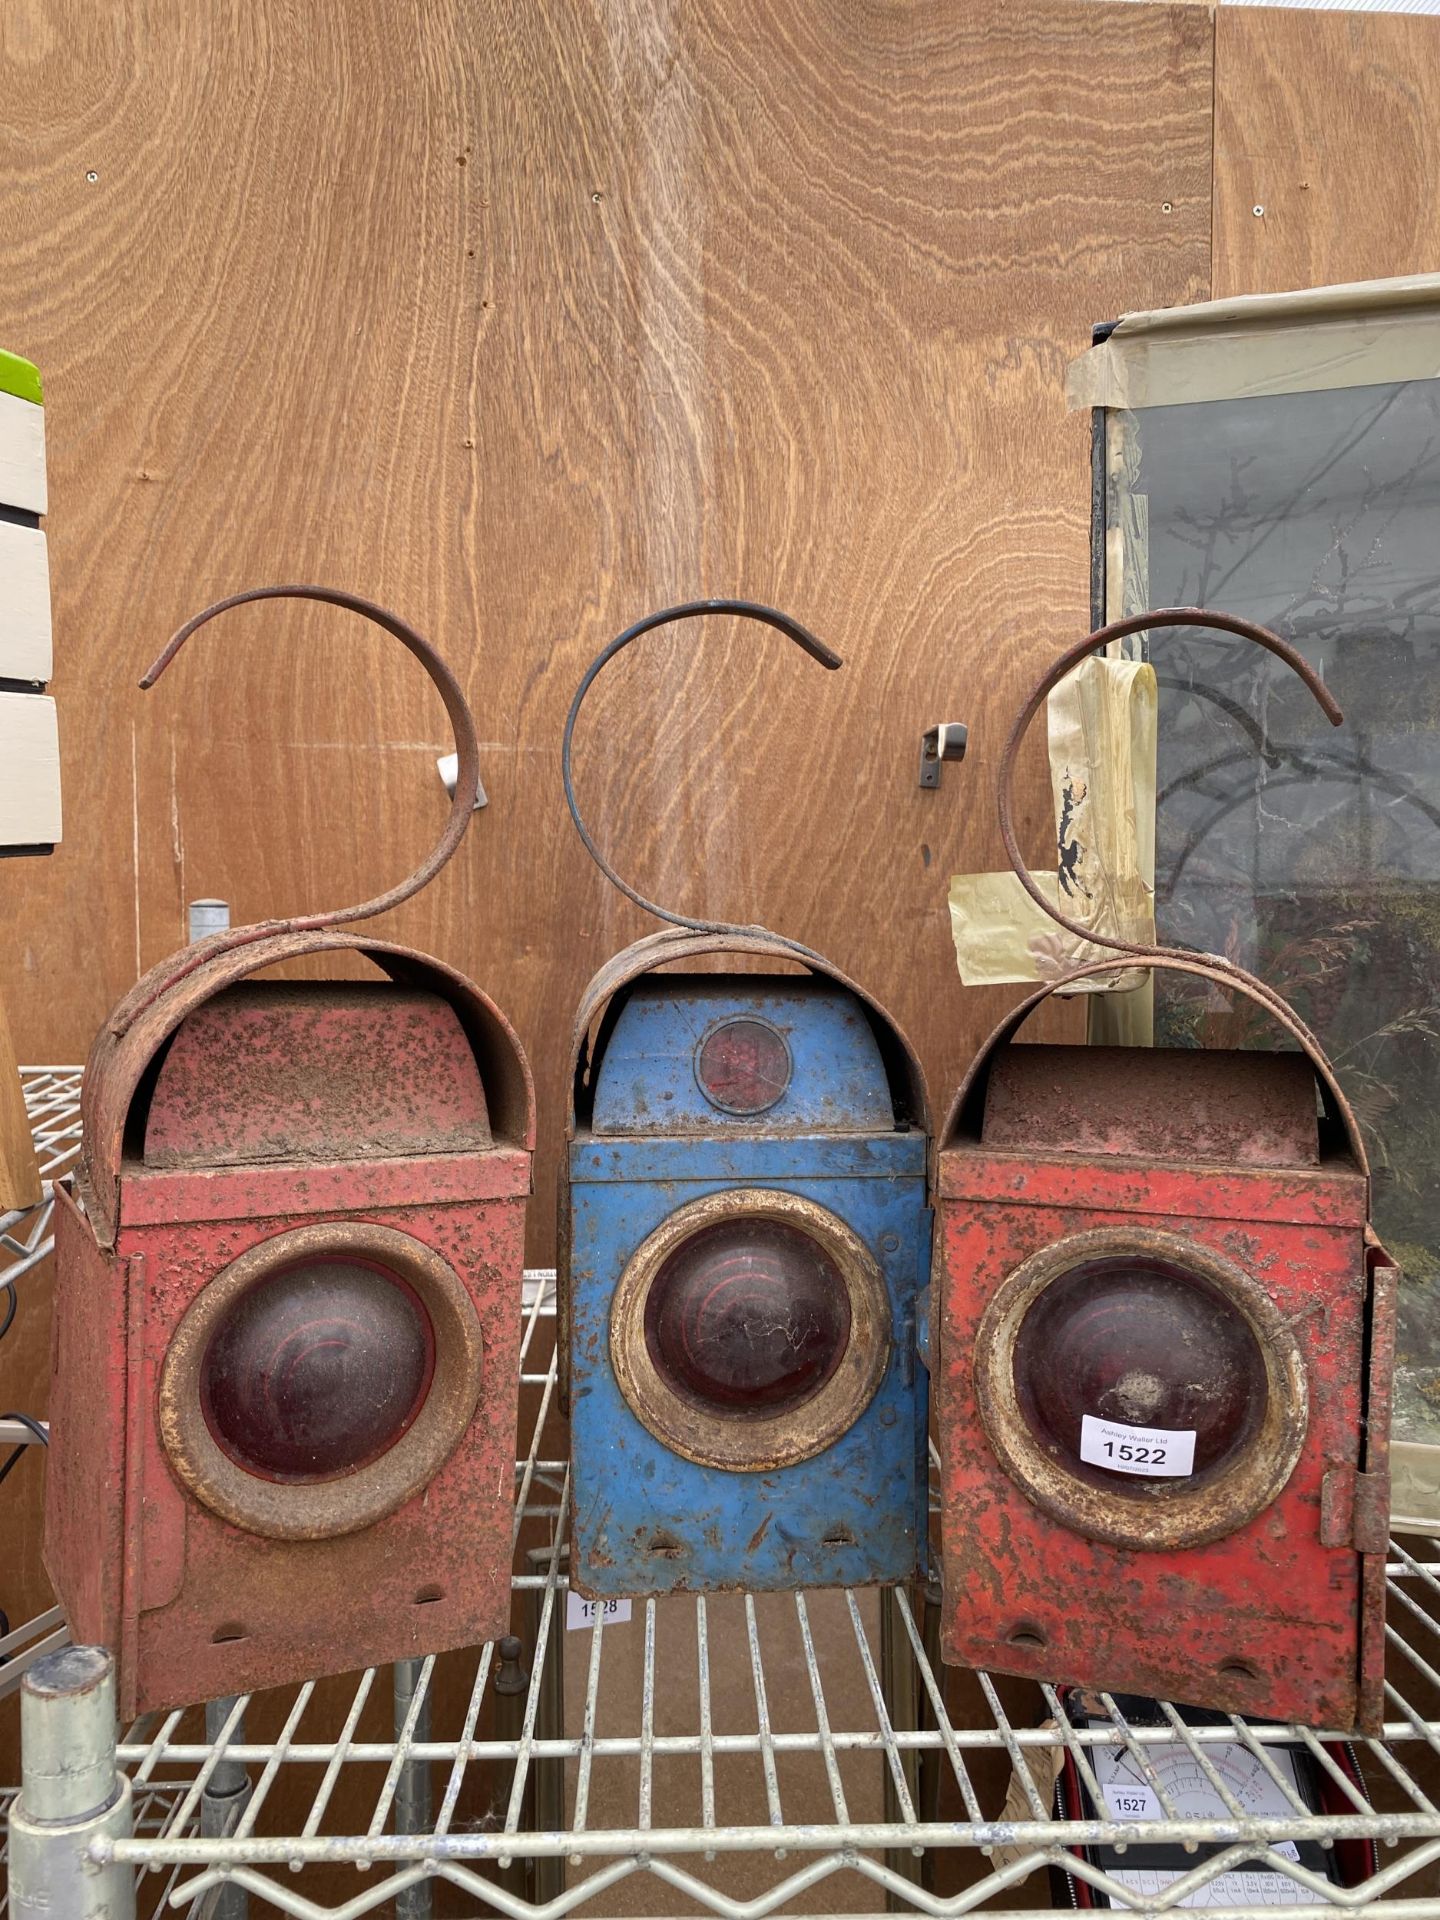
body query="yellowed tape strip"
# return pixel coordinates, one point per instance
(1101, 724)
(1148, 364)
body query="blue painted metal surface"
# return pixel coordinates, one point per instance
(647, 1520)
(646, 1082)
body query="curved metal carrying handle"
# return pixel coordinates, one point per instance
(467, 784)
(1223, 974)
(689, 610)
(1212, 966)
(1118, 630)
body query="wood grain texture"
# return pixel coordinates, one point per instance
(1329, 122)
(525, 321)
(527, 331)
(19, 1168)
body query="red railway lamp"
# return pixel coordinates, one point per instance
(283, 1415)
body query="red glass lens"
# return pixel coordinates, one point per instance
(1147, 1343)
(748, 1316)
(317, 1369)
(743, 1066)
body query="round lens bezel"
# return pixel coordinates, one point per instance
(358, 1497)
(712, 1034)
(1156, 1514)
(740, 1441)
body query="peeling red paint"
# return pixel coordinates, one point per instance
(425, 1131)
(1277, 1615)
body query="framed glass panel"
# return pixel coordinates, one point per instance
(1309, 854)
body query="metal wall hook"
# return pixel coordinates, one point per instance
(946, 741)
(447, 765)
(689, 610)
(465, 791)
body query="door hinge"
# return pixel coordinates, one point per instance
(1355, 1510)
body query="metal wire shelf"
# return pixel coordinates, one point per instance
(52, 1102)
(838, 1776)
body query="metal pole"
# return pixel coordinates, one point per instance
(901, 1690)
(930, 1760)
(71, 1793)
(412, 1790)
(512, 1688)
(545, 1796)
(224, 1800)
(205, 917)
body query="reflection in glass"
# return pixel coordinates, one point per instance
(1307, 853)
(748, 1316)
(1139, 1340)
(317, 1369)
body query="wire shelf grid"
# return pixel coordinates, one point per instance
(581, 1803)
(52, 1102)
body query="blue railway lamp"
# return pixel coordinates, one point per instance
(744, 1243)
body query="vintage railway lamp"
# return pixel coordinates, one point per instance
(1165, 1335)
(284, 1405)
(744, 1233)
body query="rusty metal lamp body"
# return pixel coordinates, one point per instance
(283, 1411)
(744, 1234)
(1165, 1334)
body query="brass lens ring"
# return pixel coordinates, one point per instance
(1156, 1515)
(320, 1510)
(752, 1443)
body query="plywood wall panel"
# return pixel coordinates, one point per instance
(525, 323)
(1327, 147)
(526, 320)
